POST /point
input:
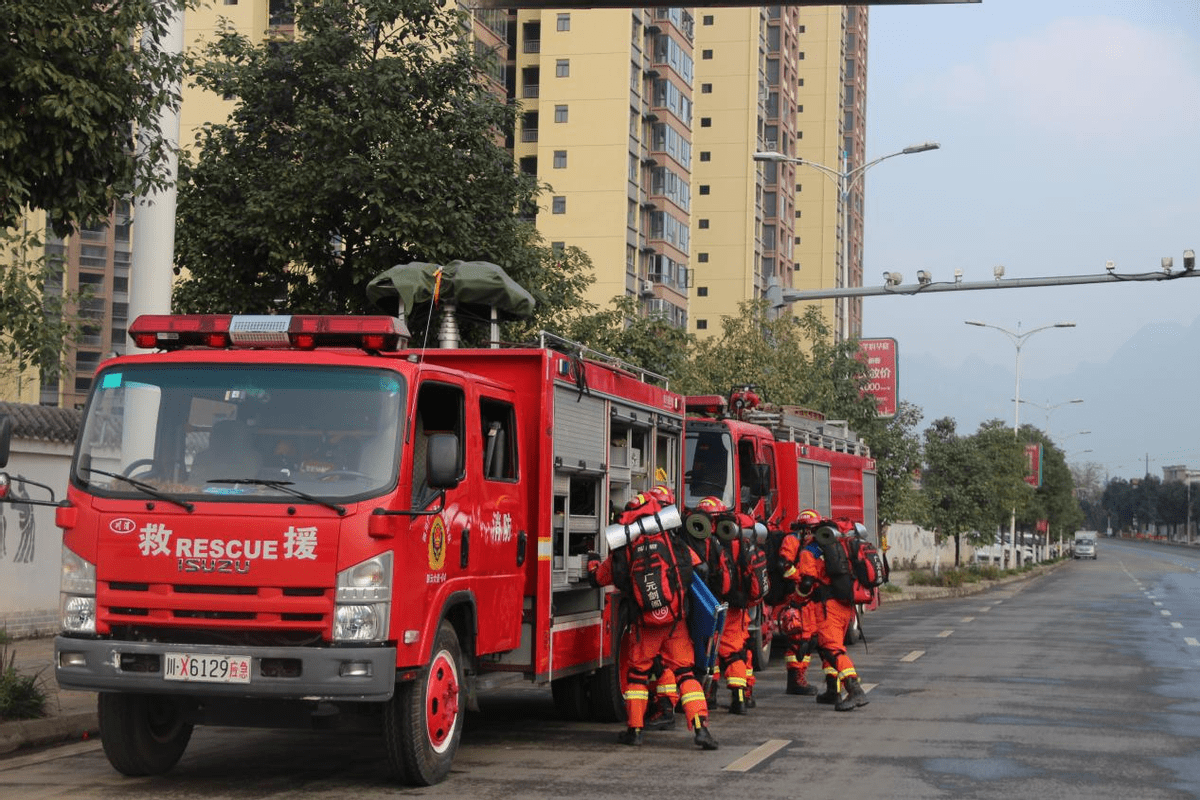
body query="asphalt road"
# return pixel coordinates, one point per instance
(1077, 684)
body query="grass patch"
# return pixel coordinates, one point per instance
(21, 696)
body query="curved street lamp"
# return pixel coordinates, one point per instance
(845, 179)
(1018, 339)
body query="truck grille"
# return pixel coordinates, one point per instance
(299, 609)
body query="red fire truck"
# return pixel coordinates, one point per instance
(772, 463)
(296, 521)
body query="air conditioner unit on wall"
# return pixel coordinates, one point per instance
(647, 287)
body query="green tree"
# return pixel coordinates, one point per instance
(369, 140)
(619, 330)
(36, 328)
(896, 448)
(789, 361)
(1054, 500)
(970, 483)
(75, 81)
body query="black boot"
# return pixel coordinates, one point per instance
(829, 697)
(661, 716)
(750, 703)
(796, 683)
(855, 696)
(704, 738)
(737, 701)
(630, 736)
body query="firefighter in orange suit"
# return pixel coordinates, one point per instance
(659, 634)
(732, 651)
(712, 552)
(798, 620)
(833, 618)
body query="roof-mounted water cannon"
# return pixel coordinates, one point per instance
(742, 400)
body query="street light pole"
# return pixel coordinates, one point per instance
(845, 179)
(1018, 339)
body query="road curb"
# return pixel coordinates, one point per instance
(23, 734)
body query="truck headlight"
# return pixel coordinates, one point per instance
(363, 604)
(77, 594)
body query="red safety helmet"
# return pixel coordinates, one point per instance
(809, 516)
(663, 495)
(712, 505)
(790, 621)
(644, 504)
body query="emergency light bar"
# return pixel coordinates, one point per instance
(712, 404)
(300, 332)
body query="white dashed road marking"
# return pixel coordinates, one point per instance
(1165, 613)
(1191, 641)
(967, 619)
(758, 755)
(913, 656)
(944, 634)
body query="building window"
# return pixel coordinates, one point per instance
(708, 19)
(704, 188)
(800, 81)
(564, 22)
(701, 324)
(560, 113)
(703, 224)
(706, 122)
(559, 205)
(560, 159)
(702, 258)
(562, 68)
(706, 88)
(705, 155)
(800, 29)
(701, 291)
(706, 55)
(558, 247)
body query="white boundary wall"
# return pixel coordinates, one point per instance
(30, 543)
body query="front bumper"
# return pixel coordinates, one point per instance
(351, 673)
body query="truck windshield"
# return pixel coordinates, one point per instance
(708, 466)
(193, 430)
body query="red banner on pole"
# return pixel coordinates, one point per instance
(1033, 461)
(882, 376)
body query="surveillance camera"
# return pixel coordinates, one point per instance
(998, 271)
(957, 275)
(892, 278)
(1110, 265)
(1167, 263)
(1189, 260)
(923, 277)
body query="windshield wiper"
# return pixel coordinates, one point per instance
(286, 488)
(141, 485)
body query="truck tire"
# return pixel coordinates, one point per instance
(422, 723)
(142, 734)
(571, 697)
(604, 689)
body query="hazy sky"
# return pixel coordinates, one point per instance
(1070, 136)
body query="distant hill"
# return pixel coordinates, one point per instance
(1144, 400)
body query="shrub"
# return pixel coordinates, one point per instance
(21, 696)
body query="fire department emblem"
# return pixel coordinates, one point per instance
(437, 544)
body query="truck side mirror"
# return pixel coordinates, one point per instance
(5, 439)
(441, 461)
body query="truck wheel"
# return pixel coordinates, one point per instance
(604, 692)
(142, 734)
(571, 697)
(422, 724)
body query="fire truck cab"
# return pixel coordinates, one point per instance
(296, 521)
(772, 463)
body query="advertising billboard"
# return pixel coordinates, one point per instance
(881, 359)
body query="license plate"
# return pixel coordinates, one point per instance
(206, 668)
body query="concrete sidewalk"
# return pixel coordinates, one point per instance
(71, 716)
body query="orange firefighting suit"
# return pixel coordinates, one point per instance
(832, 616)
(798, 651)
(733, 654)
(646, 639)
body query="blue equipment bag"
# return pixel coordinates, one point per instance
(706, 621)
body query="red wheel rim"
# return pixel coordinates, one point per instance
(441, 701)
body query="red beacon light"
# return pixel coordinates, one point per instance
(713, 405)
(301, 332)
